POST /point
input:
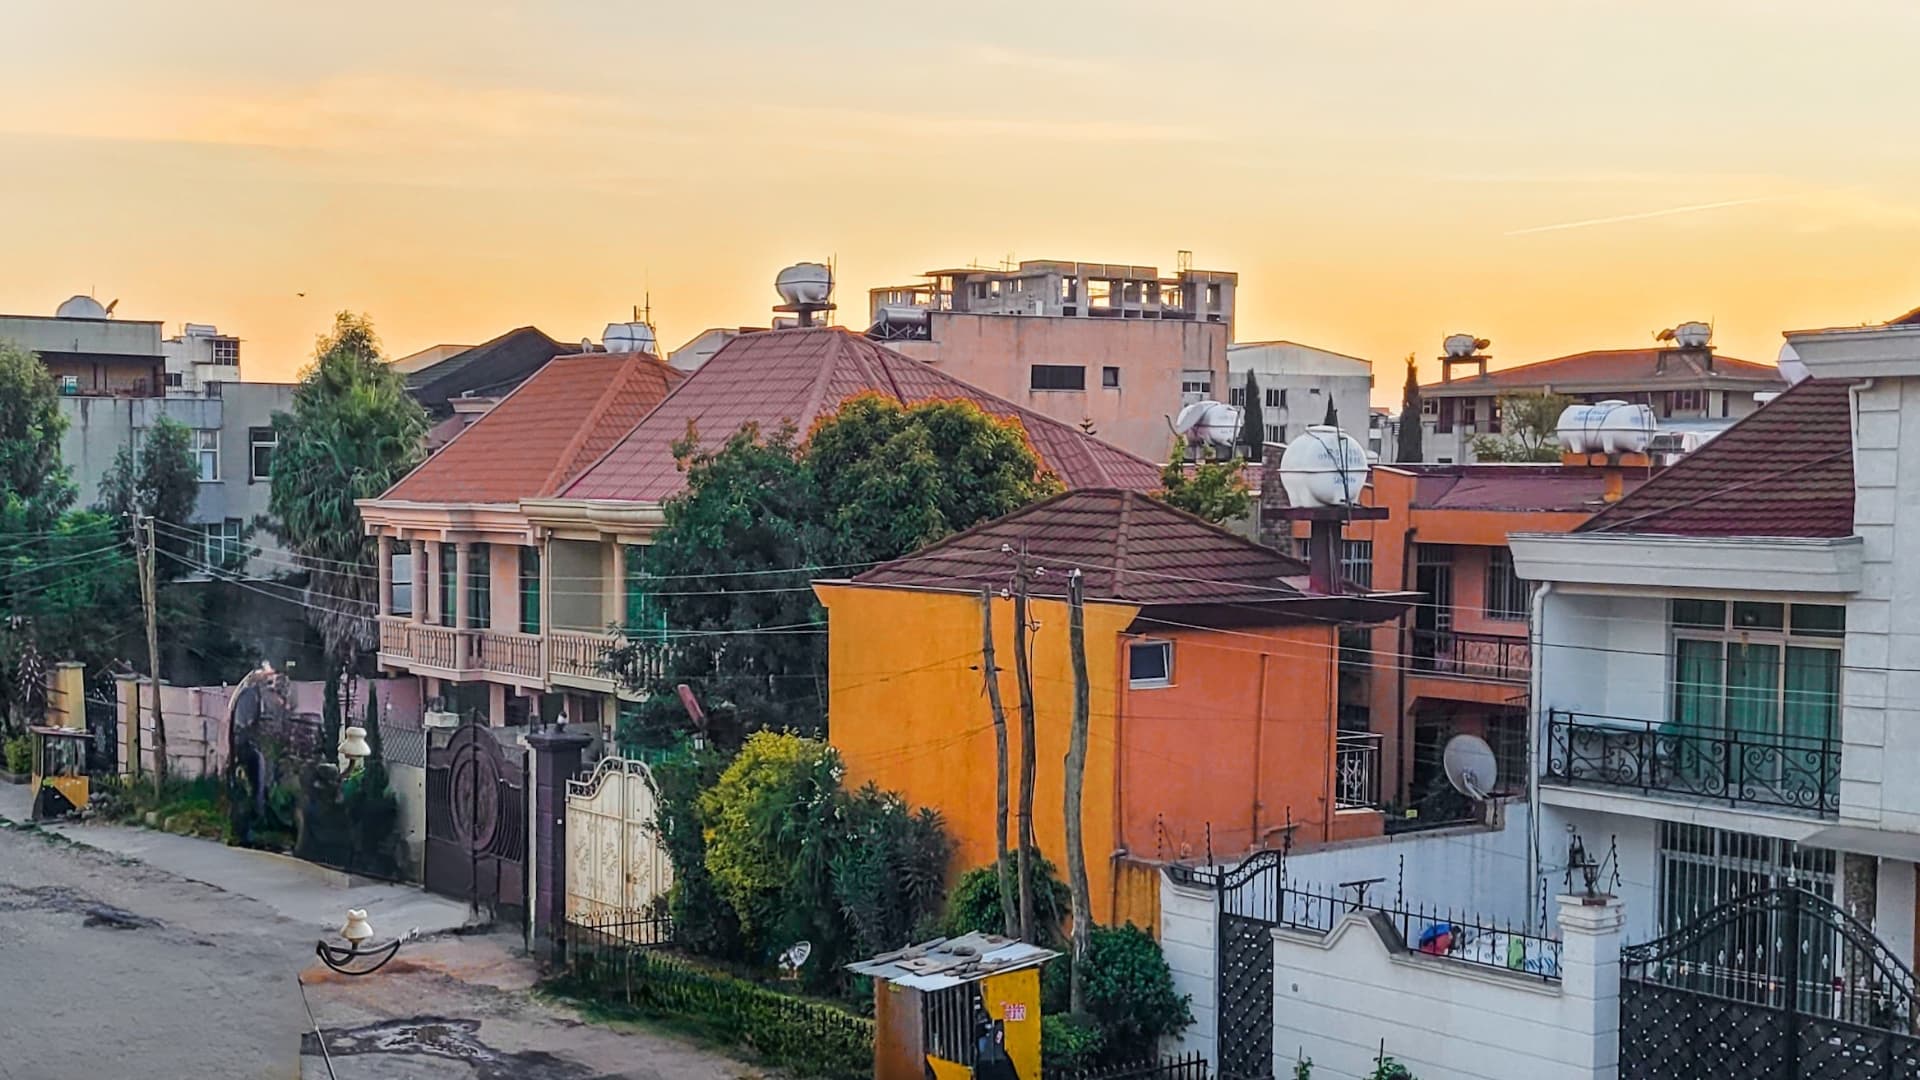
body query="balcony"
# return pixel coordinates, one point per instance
(1356, 771)
(575, 658)
(572, 657)
(1475, 657)
(1753, 769)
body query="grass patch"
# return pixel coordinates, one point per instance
(189, 807)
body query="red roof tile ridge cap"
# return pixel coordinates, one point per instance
(1719, 492)
(1120, 541)
(822, 378)
(458, 435)
(672, 389)
(563, 467)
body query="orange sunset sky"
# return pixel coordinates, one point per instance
(1552, 176)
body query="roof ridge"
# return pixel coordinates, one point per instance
(1120, 539)
(563, 471)
(672, 389)
(817, 396)
(458, 435)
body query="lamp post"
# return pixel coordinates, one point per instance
(356, 958)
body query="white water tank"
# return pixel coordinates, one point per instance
(1692, 335)
(1461, 345)
(1209, 422)
(629, 337)
(1607, 427)
(901, 315)
(1323, 467)
(804, 283)
(80, 307)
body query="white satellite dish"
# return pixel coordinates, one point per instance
(1792, 368)
(795, 955)
(1471, 767)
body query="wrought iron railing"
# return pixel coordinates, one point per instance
(1356, 770)
(1490, 657)
(1723, 764)
(1426, 929)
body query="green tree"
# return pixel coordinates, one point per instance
(1130, 991)
(1527, 424)
(34, 487)
(159, 480)
(372, 810)
(1411, 431)
(1216, 490)
(352, 434)
(1253, 419)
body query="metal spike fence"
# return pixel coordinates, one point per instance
(1432, 930)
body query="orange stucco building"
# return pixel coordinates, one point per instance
(1211, 673)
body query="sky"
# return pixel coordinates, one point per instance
(1554, 177)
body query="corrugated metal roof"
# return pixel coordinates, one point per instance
(1608, 368)
(944, 962)
(1511, 487)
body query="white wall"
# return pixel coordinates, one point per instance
(1336, 997)
(1475, 870)
(1605, 655)
(1188, 939)
(1635, 845)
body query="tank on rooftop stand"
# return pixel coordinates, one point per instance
(1323, 472)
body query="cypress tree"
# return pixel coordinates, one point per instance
(1253, 422)
(1410, 449)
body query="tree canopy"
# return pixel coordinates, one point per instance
(34, 488)
(1253, 419)
(1409, 449)
(1216, 490)
(160, 480)
(1527, 424)
(352, 434)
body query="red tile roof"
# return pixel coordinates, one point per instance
(797, 375)
(1130, 548)
(1509, 487)
(1614, 369)
(1786, 470)
(541, 435)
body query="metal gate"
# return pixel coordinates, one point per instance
(616, 866)
(1249, 899)
(477, 820)
(1778, 983)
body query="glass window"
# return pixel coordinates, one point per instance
(480, 586)
(1276, 398)
(1237, 396)
(206, 453)
(1754, 616)
(1196, 382)
(1356, 562)
(529, 590)
(1507, 594)
(69, 384)
(1057, 377)
(1711, 614)
(1150, 664)
(402, 574)
(644, 616)
(220, 544)
(1110, 376)
(1820, 620)
(261, 442)
(448, 583)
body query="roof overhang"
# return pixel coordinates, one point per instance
(1647, 560)
(592, 518)
(406, 518)
(1868, 352)
(1280, 611)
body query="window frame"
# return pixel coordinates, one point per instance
(1109, 377)
(70, 386)
(205, 456)
(254, 446)
(1729, 634)
(1057, 373)
(1518, 601)
(530, 575)
(479, 585)
(1276, 397)
(1160, 682)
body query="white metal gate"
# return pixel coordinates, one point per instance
(615, 864)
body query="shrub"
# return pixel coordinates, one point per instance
(1130, 991)
(1069, 1044)
(889, 874)
(19, 753)
(975, 907)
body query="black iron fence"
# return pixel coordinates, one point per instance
(1492, 657)
(1760, 768)
(615, 929)
(1431, 930)
(1180, 1067)
(1356, 770)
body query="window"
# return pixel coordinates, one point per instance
(479, 586)
(448, 583)
(1356, 562)
(1276, 398)
(69, 385)
(1685, 401)
(1110, 377)
(1430, 407)
(1099, 295)
(1507, 594)
(529, 590)
(645, 618)
(1276, 433)
(1469, 412)
(226, 351)
(206, 453)
(1196, 382)
(1150, 664)
(1237, 396)
(175, 380)
(1493, 416)
(261, 442)
(1702, 867)
(1057, 377)
(221, 543)
(1443, 419)
(402, 577)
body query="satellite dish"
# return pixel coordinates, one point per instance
(795, 955)
(1792, 368)
(1470, 764)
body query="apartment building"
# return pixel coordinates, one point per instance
(1296, 384)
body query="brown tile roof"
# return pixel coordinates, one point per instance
(1130, 548)
(542, 434)
(1509, 487)
(1786, 470)
(1610, 369)
(796, 375)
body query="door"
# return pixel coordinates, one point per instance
(477, 820)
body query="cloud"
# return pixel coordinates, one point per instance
(1042, 63)
(1670, 211)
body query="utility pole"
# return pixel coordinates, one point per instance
(1075, 783)
(1009, 921)
(1023, 575)
(150, 594)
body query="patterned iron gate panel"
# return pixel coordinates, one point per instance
(1249, 909)
(616, 866)
(477, 821)
(1778, 983)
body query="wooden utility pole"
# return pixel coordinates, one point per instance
(1009, 921)
(1022, 671)
(1075, 782)
(150, 593)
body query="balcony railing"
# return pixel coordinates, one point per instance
(1486, 657)
(1356, 771)
(579, 655)
(1741, 768)
(508, 653)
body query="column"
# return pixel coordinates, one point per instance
(555, 757)
(383, 547)
(1590, 980)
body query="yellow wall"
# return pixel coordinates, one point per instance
(908, 710)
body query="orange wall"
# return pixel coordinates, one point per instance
(1241, 741)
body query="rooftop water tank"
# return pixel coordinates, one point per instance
(80, 307)
(629, 337)
(1692, 335)
(1323, 467)
(1607, 427)
(901, 315)
(1460, 345)
(804, 283)
(1209, 422)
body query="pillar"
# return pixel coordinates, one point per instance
(1590, 930)
(554, 758)
(126, 696)
(384, 556)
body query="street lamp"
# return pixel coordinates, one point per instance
(353, 746)
(356, 959)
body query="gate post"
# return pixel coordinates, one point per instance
(1590, 978)
(555, 760)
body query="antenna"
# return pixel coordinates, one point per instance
(1470, 765)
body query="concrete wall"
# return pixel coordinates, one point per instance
(1603, 654)
(1337, 997)
(1190, 942)
(575, 582)
(196, 716)
(1483, 871)
(1310, 378)
(409, 786)
(996, 353)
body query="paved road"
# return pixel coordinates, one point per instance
(110, 966)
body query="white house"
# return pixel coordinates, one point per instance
(1727, 661)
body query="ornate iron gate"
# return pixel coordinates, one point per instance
(1249, 909)
(1778, 983)
(616, 866)
(477, 820)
